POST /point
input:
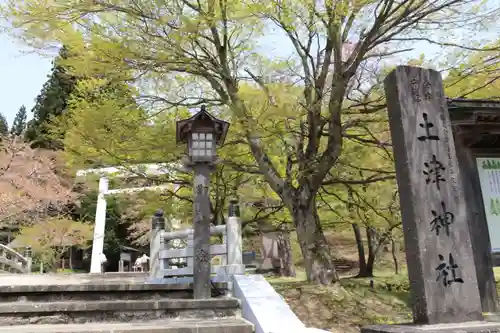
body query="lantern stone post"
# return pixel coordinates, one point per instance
(202, 132)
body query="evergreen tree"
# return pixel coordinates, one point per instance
(4, 125)
(19, 124)
(51, 102)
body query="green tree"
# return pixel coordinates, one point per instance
(4, 125)
(186, 53)
(363, 195)
(104, 126)
(51, 238)
(50, 103)
(476, 76)
(19, 124)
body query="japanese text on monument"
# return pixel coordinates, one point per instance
(434, 171)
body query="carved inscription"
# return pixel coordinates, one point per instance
(447, 271)
(201, 194)
(201, 256)
(427, 125)
(442, 219)
(436, 172)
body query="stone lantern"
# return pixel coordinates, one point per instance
(202, 133)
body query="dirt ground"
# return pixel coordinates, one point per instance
(344, 308)
(347, 306)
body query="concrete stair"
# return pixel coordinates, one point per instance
(345, 266)
(113, 305)
(225, 325)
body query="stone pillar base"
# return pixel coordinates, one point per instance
(466, 327)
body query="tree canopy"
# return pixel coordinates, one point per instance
(292, 117)
(50, 103)
(4, 125)
(19, 124)
(32, 184)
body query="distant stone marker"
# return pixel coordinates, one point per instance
(438, 247)
(269, 251)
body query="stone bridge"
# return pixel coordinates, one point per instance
(13, 262)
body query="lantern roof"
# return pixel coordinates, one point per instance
(202, 121)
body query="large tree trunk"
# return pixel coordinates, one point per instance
(370, 236)
(394, 251)
(285, 253)
(361, 250)
(318, 261)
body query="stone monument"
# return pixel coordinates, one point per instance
(269, 251)
(443, 282)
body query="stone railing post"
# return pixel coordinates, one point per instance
(224, 256)
(2, 255)
(189, 260)
(28, 254)
(156, 244)
(121, 265)
(234, 239)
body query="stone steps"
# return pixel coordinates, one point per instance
(224, 325)
(83, 300)
(80, 312)
(344, 265)
(111, 290)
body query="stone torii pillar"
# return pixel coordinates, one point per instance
(99, 226)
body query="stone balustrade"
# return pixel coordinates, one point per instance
(230, 251)
(13, 262)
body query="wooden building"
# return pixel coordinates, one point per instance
(476, 129)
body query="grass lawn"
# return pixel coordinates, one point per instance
(347, 306)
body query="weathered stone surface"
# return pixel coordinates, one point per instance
(436, 231)
(114, 316)
(227, 325)
(15, 283)
(269, 251)
(118, 311)
(71, 278)
(80, 303)
(73, 306)
(102, 287)
(201, 234)
(100, 295)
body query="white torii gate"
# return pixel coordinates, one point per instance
(100, 215)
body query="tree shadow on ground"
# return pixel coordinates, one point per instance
(346, 306)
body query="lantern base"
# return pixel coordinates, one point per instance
(188, 163)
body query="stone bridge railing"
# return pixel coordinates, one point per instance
(13, 262)
(230, 251)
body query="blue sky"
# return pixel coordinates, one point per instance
(22, 75)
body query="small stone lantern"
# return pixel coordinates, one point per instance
(202, 132)
(28, 252)
(158, 220)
